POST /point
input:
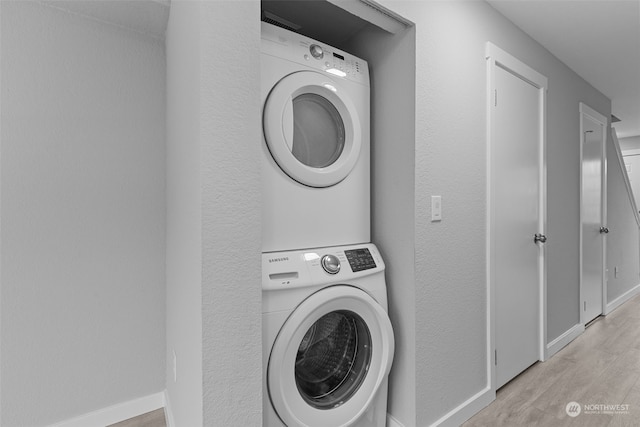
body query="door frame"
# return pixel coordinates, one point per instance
(585, 110)
(497, 57)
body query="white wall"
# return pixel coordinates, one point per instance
(214, 252)
(632, 163)
(631, 143)
(82, 211)
(623, 240)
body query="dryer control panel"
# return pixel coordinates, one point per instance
(316, 55)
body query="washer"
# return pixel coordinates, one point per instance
(327, 340)
(315, 147)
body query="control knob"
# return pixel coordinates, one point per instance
(316, 51)
(331, 264)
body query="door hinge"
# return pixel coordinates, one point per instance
(495, 98)
(585, 306)
(495, 357)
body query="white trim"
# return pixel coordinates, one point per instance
(116, 413)
(622, 299)
(625, 153)
(168, 412)
(497, 57)
(625, 175)
(374, 13)
(585, 110)
(467, 409)
(559, 343)
(393, 422)
(490, 318)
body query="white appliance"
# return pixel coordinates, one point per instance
(327, 340)
(315, 148)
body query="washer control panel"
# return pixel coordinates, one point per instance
(321, 266)
(360, 259)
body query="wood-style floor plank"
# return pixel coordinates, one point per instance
(601, 367)
(150, 419)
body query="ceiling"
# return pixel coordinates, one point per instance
(598, 39)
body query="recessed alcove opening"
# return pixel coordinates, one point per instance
(387, 42)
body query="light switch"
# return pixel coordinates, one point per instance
(436, 208)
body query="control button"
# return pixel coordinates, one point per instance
(316, 51)
(331, 264)
(306, 57)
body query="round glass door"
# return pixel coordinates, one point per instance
(333, 359)
(330, 357)
(312, 129)
(318, 131)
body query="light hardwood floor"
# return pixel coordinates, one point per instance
(601, 367)
(150, 419)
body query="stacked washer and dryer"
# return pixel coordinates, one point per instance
(328, 344)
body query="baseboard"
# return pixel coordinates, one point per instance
(168, 413)
(467, 409)
(558, 344)
(116, 413)
(392, 422)
(621, 299)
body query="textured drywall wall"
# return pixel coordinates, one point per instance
(82, 215)
(451, 161)
(392, 66)
(231, 205)
(631, 143)
(632, 163)
(184, 216)
(623, 240)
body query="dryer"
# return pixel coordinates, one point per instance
(328, 343)
(315, 146)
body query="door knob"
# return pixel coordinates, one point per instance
(539, 238)
(604, 230)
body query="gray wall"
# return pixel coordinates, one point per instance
(623, 240)
(393, 94)
(450, 160)
(82, 211)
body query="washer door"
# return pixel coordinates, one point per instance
(312, 129)
(330, 358)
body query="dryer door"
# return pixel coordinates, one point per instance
(330, 358)
(312, 128)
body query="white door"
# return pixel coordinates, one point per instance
(593, 213)
(517, 204)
